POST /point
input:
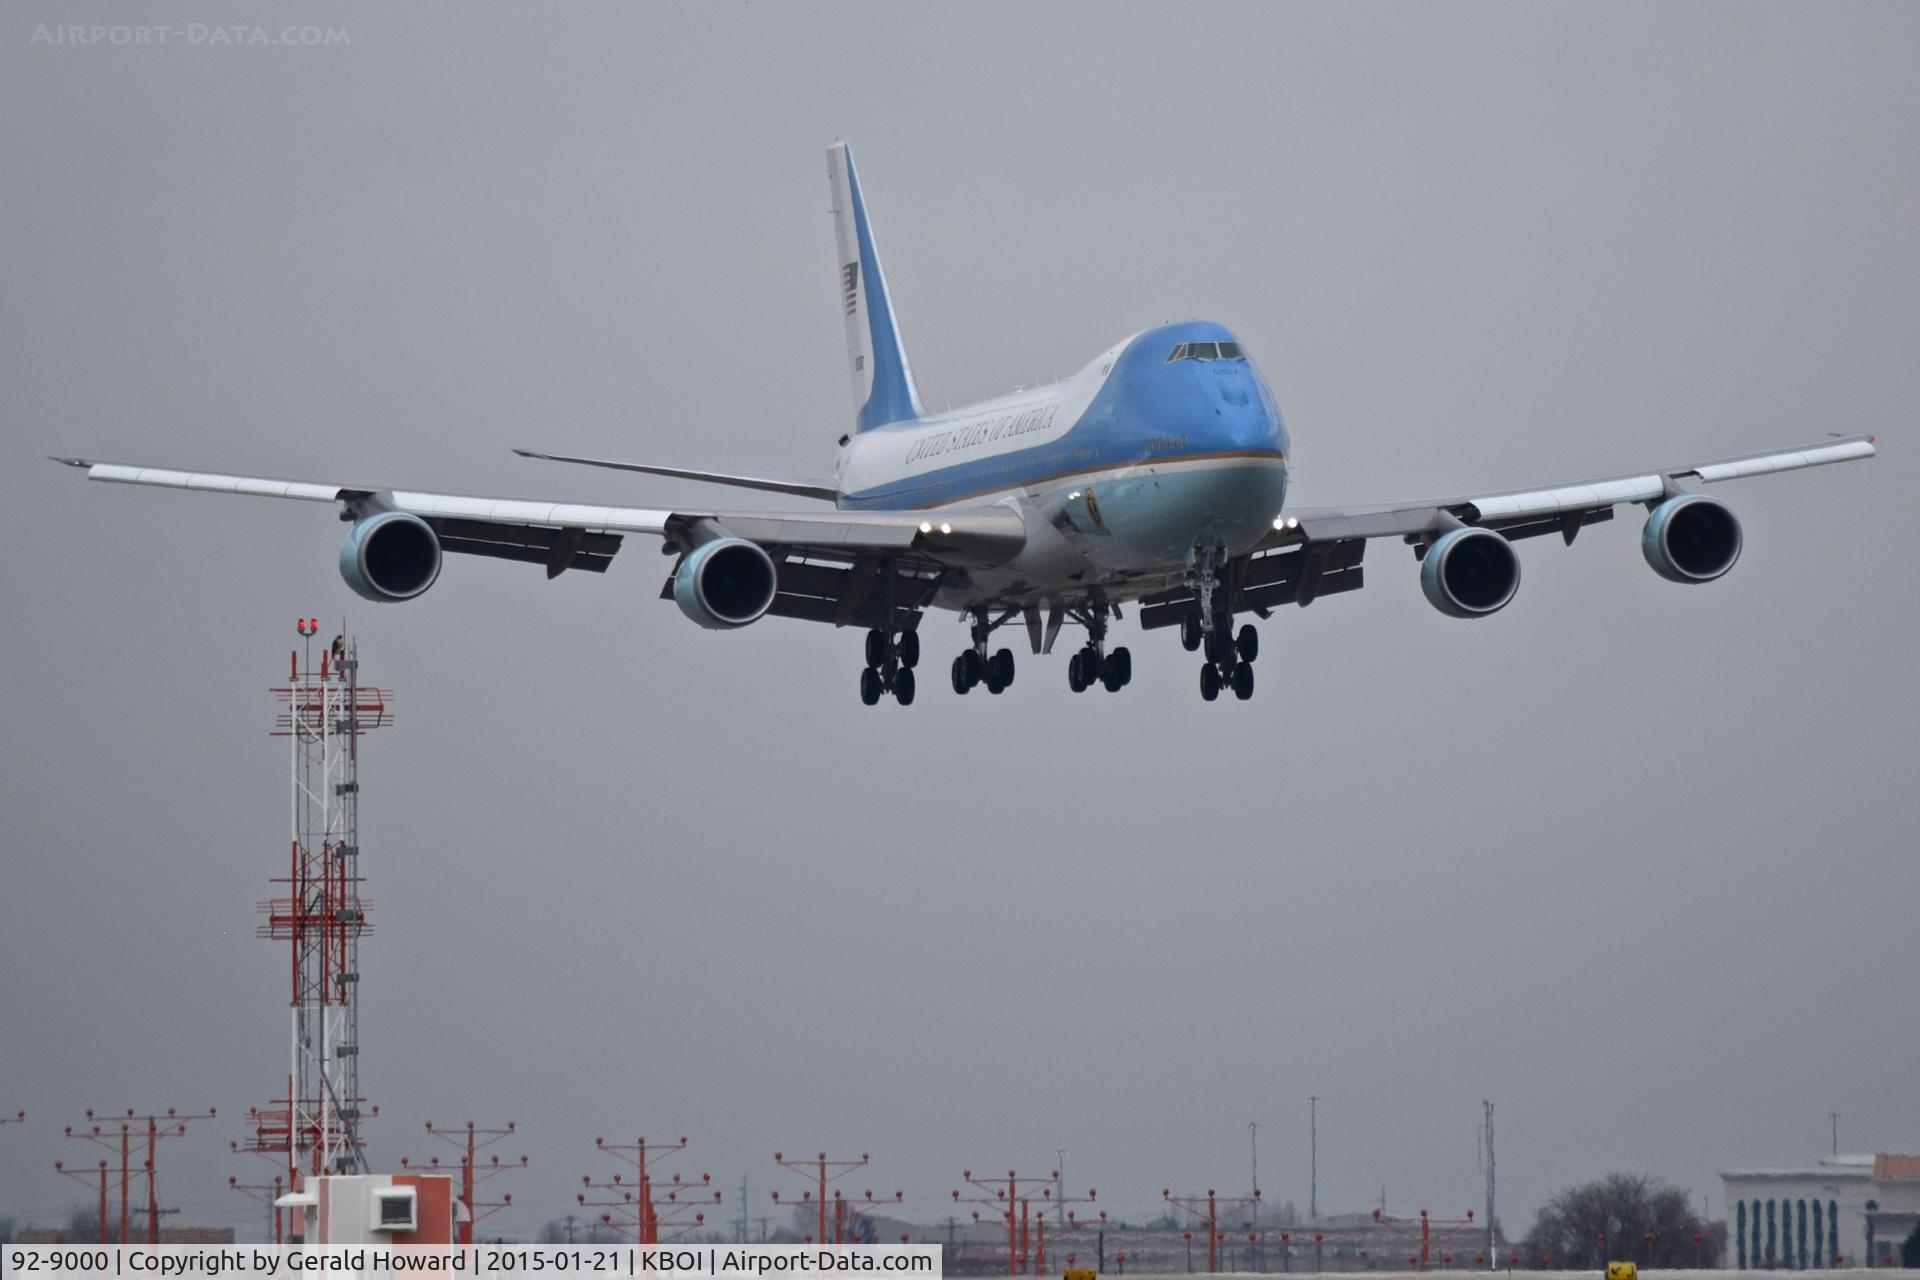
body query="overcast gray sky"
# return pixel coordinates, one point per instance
(1636, 861)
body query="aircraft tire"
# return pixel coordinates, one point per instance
(974, 667)
(903, 683)
(1076, 674)
(1209, 682)
(960, 682)
(870, 686)
(1190, 632)
(1123, 659)
(876, 649)
(1243, 681)
(909, 649)
(1248, 643)
(1003, 667)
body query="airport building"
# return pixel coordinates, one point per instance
(1859, 1208)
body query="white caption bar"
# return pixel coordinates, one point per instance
(286, 1262)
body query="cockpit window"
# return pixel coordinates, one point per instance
(1206, 351)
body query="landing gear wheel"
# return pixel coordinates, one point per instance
(1210, 682)
(993, 681)
(876, 649)
(909, 649)
(1123, 659)
(870, 686)
(1077, 673)
(1110, 674)
(1190, 632)
(960, 682)
(1003, 668)
(1243, 681)
(974, 667)
(903, 686)
(1248, 644)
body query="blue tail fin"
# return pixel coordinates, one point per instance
(883, 389)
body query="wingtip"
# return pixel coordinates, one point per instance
(68, 462)
(527, 453)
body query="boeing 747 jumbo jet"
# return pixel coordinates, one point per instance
(1156, 476)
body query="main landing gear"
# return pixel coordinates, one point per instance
(1093, 664)
(1229, 658)
(891, 658)
(976, 666)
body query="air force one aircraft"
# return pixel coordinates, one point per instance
(1157, 475)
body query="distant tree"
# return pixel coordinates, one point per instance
(1624, 1207)
(1910, 1251)
(81, 1227)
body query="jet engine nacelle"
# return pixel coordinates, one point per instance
(725, 583)
(1470, 573)
(390, 556)
(1691, 538)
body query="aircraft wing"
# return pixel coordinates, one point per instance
(1521, 513)
(1317, 551)
(831, 563)
(820, 489)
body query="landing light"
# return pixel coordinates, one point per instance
(1074, 496)
(946, 528)
(926, 527)
(1286, 522)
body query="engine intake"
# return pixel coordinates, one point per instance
(725, 583)
(1691, 539)
(1470, 573)
(390, 556)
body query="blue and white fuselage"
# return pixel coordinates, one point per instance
(1160, 445)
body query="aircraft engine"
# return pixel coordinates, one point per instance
(1691, 539)
(390, 556)
(725, 583)
(1470, 573)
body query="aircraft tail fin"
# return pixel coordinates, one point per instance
(883, 389)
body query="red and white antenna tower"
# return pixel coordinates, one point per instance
(471, 1141)
(324, 711)
(652, 1211)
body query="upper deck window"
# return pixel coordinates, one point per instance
(1206, 351)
